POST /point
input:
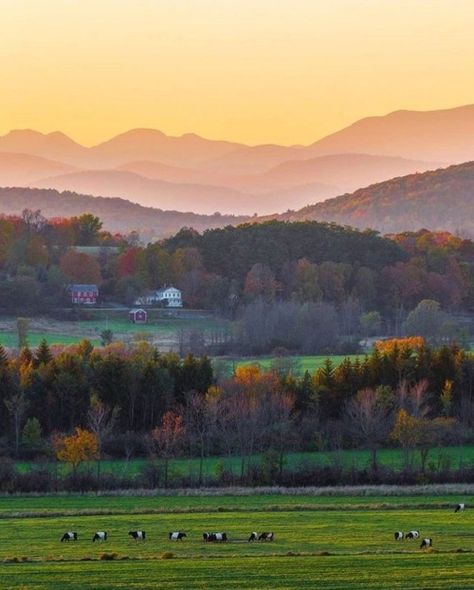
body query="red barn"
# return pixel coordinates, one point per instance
(83, 294)
(138, 316)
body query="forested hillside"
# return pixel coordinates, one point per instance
(117, 215)
(437, 200)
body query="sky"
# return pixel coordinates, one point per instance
(253, 71)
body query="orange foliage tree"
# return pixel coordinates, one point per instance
(80, 446)
(79, 267)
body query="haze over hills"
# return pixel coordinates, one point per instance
(193, 173)
(436, 200)
(152, 192)
(118, 215)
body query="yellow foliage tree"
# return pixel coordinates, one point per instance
(420, 434)
(77, 448)
(413, 343)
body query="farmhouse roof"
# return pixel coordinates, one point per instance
(82, 287)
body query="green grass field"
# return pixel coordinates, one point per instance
(300, 364)
(359, 459)
(161, 331)
(320, 542)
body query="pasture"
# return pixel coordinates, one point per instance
(324, 542)
(392, 458)
(162, 332)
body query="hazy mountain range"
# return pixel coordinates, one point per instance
(191, 173)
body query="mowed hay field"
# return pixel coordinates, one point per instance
(320, 542)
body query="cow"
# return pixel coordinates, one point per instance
(412, 535)
(215, 537)
(137, 535)
(177, 536)
(253, 537)
(99, 536)
(69, 536)
(399, 536)
(425, 543)
(460, 508)
(266, 537)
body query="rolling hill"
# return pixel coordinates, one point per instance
(118, 215)
(437, 200)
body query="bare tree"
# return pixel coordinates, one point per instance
(278, 413)
(167, 439)
(101, 421)
(368, 419)
(198, 420)
(17, 404)
(414, 399)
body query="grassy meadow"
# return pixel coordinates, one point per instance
(324, 542)
(456, 457)
(163, 332)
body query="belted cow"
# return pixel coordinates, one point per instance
(425, 543)
(412, 535)
(69, 536)
(253, 537)
(399, 536)
(265, 537)
(214, 537)
(99, 536)
(460, 508)
(177, 536)
(137, 535)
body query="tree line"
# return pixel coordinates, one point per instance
(84, 404)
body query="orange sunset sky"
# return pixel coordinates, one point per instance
(256, 71)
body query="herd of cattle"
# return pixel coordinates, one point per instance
(266, 536)
(174, 536)
(413, 535)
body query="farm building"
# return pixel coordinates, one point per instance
(138, 316)
(83, 294)
(168, 296)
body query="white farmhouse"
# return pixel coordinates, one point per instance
(170, 296)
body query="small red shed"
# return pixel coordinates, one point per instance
(138, 316)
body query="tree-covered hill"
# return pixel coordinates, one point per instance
(117, 215)
(437, 200)
(232, 251)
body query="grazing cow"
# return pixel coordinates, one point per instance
(399, 536)
(412, 535)
(177, 536)
(266, 537)
(214, 537)
(137, 535)
(99, 536)
(69, 536)
(460, 508)
(253, 537)
(425, 543)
